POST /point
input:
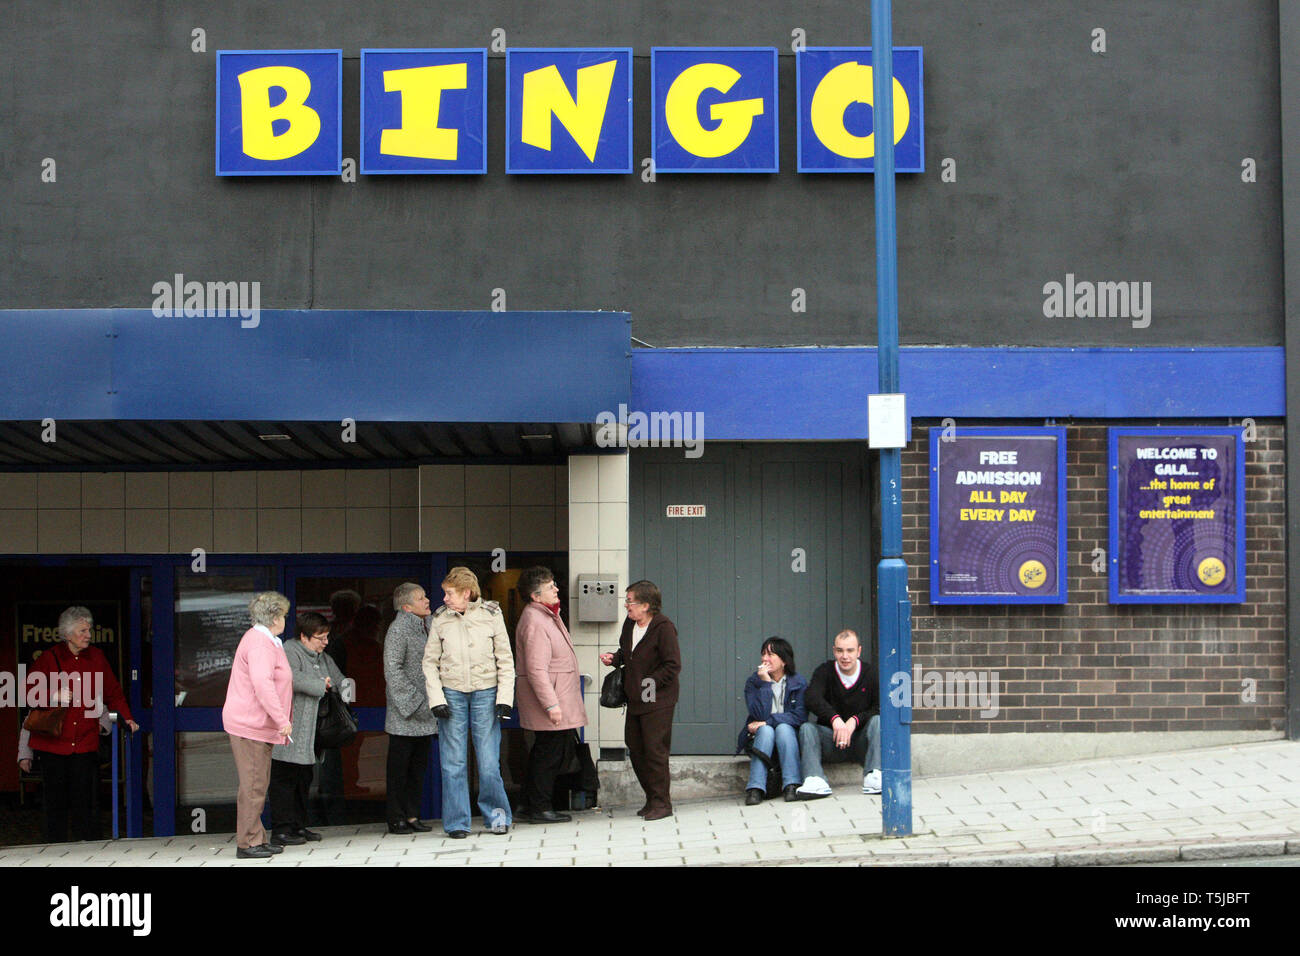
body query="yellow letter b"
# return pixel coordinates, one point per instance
(257, 114)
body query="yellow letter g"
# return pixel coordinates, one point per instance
(681, 111)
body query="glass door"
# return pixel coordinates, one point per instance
(357, 600)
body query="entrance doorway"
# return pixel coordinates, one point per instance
(782, 548)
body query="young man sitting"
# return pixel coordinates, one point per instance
(843, 694)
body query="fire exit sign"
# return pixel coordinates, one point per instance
(686, 511)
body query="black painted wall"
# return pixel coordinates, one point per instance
(1122, 166)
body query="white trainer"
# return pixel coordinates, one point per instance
(871, 782)
(814, 788)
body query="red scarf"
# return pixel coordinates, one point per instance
(553, 608)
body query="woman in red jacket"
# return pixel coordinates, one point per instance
(77, 676)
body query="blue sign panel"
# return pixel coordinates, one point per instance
(424, 111)
(836, 127)
(569, 111)
(714, 110)
(279, 112)
(997, 516)
(1177, 516)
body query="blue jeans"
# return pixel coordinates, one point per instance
(817, 743)
(787, 750)
(473, 712)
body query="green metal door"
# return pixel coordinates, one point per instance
(783, 548)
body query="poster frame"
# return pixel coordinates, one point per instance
(1238, 595)
(1061, 594)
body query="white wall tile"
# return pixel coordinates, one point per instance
(613, 526)
(584, 478)
(613, 477)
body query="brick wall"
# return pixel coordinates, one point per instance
(1089, 666)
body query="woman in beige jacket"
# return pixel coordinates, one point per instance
(550, 691)
(469, 675)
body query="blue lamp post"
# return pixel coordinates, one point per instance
(894, 609)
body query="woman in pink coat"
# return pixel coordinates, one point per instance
(257, 713)
(548, 691)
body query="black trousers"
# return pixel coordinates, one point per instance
(544, 762)
(649, 739)
(290, 784)
(70, 789)
(407, 759)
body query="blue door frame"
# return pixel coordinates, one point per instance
(285, 572)
(164, 719)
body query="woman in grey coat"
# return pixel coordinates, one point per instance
(409, 723)
(292, 763)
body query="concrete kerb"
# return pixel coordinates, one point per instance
(1110, 856)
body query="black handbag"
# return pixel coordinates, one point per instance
(336, 725)
(611, 691)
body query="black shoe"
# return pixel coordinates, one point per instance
(262, 852)
(791, 793)
(458, 834)
(642, 812)
(545, 816)
(273, 848)
(401, 828)
(287, 839)
(753, 797)
(419, 826)
(310, 836)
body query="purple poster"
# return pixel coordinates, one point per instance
(997, 515)
(1176, 530)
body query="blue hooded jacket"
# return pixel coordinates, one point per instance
(758, 699)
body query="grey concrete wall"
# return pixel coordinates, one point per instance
(1117, 166)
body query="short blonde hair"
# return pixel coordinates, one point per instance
(267, 606)
(463, 579)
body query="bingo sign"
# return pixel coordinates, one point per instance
(997, 516)
(1177, 516)
(567, 111)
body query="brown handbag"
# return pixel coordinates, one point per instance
(46, 720)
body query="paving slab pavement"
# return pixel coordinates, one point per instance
(1198, 805)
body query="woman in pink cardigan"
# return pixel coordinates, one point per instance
(259, 702)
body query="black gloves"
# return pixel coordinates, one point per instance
(443, 712)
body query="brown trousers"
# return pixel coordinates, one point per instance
(253, 761)
(649, 740)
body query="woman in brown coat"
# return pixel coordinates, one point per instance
(648, 648)
(548, 691)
